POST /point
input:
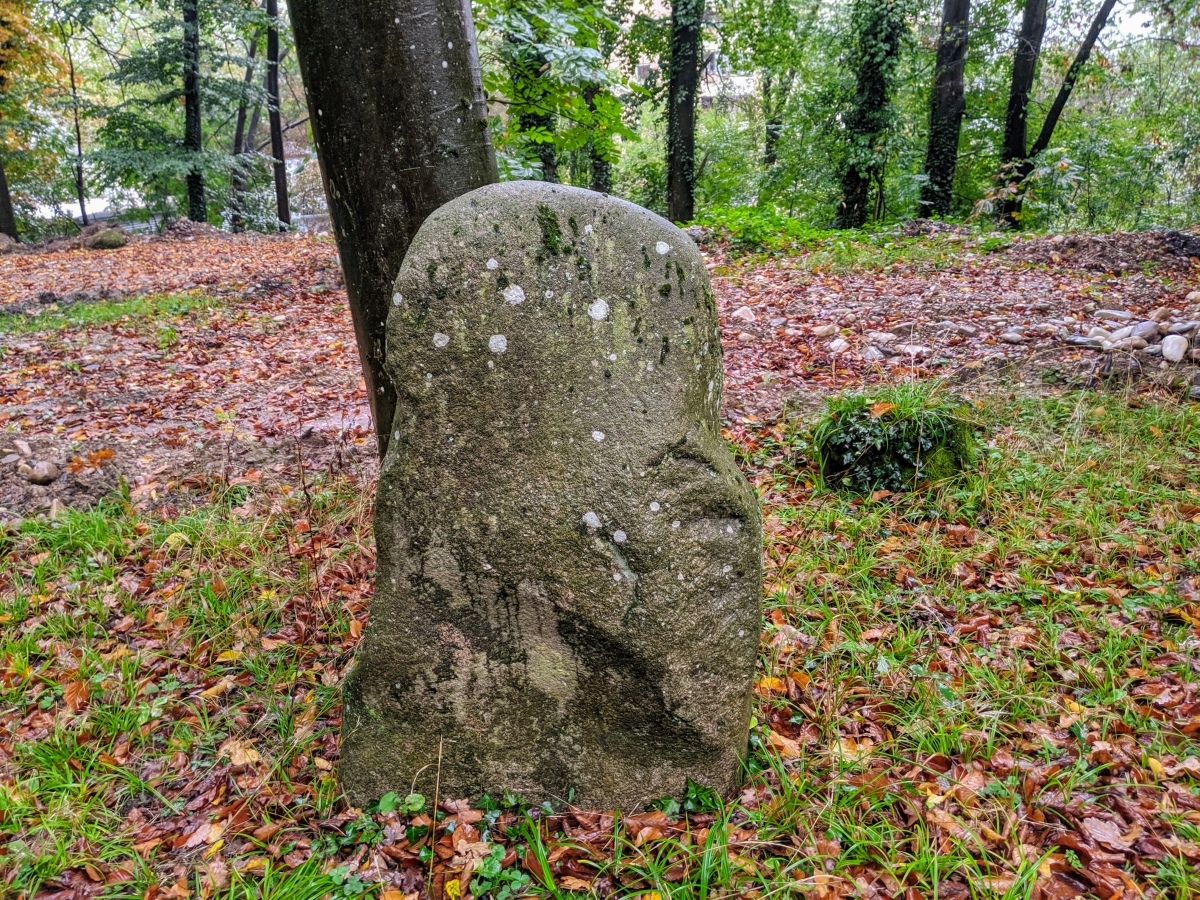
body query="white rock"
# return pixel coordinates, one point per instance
(914, 350)
(1013, 337)
(873, 354)
(824, 331)
(1193, 297)
(1100, 333)
(23, 448)
(841, 345)
(1118, 314)
(1174, 347)
(744, 314)
(1121, 333)
(882, 337)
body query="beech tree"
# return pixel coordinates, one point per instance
(398, 116)
(946, 109)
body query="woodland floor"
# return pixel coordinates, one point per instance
(984, 690)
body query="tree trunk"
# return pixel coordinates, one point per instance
(283, 213)
(8, 219)
(80, 183)
(192, 138)
(400, 124)
(946, 109)
(1064, 92)
(238, 176)
(601, 167)
(525, 65)
(1013, 157)
(684, 69)
(775, 95)
(879, 26)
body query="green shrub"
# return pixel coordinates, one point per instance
(895, 439)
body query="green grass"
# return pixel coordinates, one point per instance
(949, 680)
(104, 312)
(755, 233)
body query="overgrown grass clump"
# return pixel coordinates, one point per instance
(895, 439)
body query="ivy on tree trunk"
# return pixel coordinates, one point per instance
(192, 138)
(946, 109)
(879, 30)
(400, 124)
(684, 69)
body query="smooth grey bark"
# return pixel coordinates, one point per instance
(283, 213)
(684, 68)
(192, 136)
(400, 123)
(946, 109)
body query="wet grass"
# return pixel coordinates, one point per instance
(955, 685)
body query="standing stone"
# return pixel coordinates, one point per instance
(567, 598)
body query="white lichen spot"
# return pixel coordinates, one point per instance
(320, 112)
(726, 569)
(587, 229)
(598, 310)
(549, 295)
(676, 524)
(429, 376)
(514, 294)
(663, 248)
(680, 576)
(612, 357)
(441, 340)
(445, 65)
(619, 536)
(741, 632)
(397, 299)
(498, 343)
(396, 436)
(491, 365)
(591, 520)
(598, 436)
(492, 264)
(649, 365)
(729, 529)
(616, 576)
(449, 45)
(655, 506)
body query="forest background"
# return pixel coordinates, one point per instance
(810, 114)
